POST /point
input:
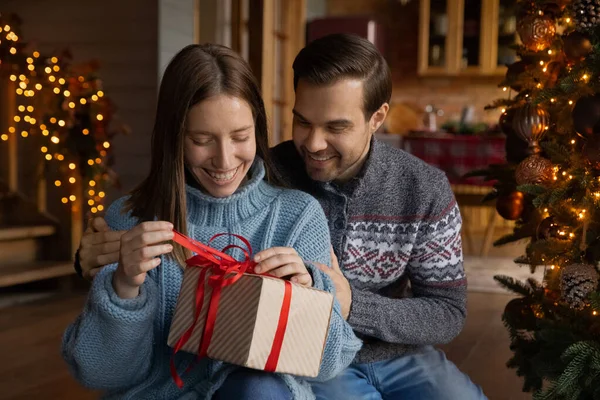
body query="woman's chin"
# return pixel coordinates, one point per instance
(220, 190)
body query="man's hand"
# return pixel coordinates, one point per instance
(343, 292)
(99, 246)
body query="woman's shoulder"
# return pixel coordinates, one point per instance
(118, 215)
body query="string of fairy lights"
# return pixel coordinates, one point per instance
(59, 105)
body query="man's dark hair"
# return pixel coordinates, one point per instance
(342, 56)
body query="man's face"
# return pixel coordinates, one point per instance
(329, 129)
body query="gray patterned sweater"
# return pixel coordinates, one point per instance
(396, 225)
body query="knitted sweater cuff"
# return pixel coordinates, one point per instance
(136, 309)
(318, 276)
(361, 311)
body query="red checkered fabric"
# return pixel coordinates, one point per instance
(457, 155)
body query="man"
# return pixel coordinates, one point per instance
(393, 219)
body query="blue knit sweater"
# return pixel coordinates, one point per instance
(120, 345)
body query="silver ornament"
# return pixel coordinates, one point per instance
(530, 124)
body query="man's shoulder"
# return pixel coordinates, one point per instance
(285, 155)
(289, 166)
(405, 164)
(403, 179)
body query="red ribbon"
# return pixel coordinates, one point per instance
(226, 270)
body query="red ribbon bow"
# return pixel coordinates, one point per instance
(225, 271)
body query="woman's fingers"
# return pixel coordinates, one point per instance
(273, 251)
(146, 227)
(283, 262)
(147, 239)
(275, 260)
(304, 279)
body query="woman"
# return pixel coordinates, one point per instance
(208, 169)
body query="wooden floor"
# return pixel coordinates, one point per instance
(32, 367)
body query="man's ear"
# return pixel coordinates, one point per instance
(378, 117)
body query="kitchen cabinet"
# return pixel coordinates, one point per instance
(466, 37)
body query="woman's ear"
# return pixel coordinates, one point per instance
(378, 117)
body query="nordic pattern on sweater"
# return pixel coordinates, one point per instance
(380, 251)
(395, 224)
(119, 345)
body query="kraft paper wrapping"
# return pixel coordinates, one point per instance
(247, 319)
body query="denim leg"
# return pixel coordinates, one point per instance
(352, 384)
(428, 375)
(249, 384)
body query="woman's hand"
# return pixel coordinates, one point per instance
(283, 262)
(140, 252)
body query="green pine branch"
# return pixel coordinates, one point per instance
(490, 196)
(514, 285)
(595, 300)
(534, 190)
(500, 103)
(558, 154)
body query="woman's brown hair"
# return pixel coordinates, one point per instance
(196, 73)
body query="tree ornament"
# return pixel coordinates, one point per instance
(530, 123)
(586, 14)
(548, 229)
(519, 315)
(536, 31)
(576, 46)
(534, 170)
(506, 121)
(511, 205)
(586, 115)
(577, 281)
(591, 151)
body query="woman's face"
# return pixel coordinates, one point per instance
(220, 143)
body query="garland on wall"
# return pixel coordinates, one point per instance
(65, 105)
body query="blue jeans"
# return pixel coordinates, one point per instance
(423, 376)
(249, 384)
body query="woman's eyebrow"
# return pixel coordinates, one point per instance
(202, 132)
(245, 128)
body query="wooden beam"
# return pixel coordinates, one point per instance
(261, 50)
(237, 25)
(423, 63)
(35, 271)
(77, 216)
(8, 99)
(197, 21)
(294, 23)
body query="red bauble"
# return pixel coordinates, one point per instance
(511, 205)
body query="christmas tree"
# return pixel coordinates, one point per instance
(63, 106)
(550, 187)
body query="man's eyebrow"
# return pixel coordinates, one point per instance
(342, 121)
(345, 122)
(297, 114)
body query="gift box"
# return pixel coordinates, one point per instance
(227, 312)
